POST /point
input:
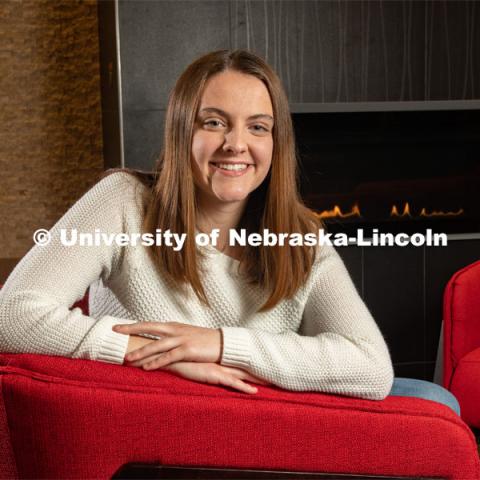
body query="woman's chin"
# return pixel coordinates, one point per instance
(231, 197)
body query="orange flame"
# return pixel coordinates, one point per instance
(406, 211)
(423, 213)
(337, 212)
(435, 213)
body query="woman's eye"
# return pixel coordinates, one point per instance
(213, 123)
(260, 129)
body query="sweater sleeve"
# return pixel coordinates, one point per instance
(339, 349)
(35, 300)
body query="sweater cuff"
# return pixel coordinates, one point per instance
(113, 345)
(236, 347)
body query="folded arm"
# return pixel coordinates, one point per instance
(339, 348)
(35, 315)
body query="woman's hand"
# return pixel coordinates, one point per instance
(179, 342)
(203, 372)
(217, 375)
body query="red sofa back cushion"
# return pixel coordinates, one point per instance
(84, 419)
(461, 314)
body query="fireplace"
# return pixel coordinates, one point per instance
(397, 171)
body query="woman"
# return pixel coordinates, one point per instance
(227, 314)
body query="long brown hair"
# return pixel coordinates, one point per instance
(275, 205)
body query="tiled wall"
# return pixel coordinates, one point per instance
(50, 116)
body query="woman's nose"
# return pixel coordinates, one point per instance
(234, 141)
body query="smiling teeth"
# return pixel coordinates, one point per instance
(236, 166)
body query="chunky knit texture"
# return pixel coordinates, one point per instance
(324, 339)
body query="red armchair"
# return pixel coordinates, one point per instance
(64, 418)
(461, 341)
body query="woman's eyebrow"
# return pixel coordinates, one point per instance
(225, 114)
(261, 115)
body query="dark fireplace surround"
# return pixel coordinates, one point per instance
(397, 171)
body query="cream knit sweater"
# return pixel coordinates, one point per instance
(324, 339)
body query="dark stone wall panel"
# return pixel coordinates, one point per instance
(159, 39)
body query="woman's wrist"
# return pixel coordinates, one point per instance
(136, 341)
(219, 361)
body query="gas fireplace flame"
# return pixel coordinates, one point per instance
(423, 212)
(435, 213)
(405, 213)
(336, 212)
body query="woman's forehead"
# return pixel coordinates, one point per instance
(231, 90)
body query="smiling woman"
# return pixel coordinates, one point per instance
(287, 315)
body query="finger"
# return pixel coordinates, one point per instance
(244, 375)
(152, 348)
(143, 361)
(245, 387)
(239, 385)
(254, 379)
(164, 359)
(153, 328)
(140, 363)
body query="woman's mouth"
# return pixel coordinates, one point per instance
(231, 169)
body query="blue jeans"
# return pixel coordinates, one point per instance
(412, 387)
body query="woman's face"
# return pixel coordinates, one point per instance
(232, 139)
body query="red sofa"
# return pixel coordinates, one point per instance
(461, 341)
(64, 418)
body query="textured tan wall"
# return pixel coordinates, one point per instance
(50, 115)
